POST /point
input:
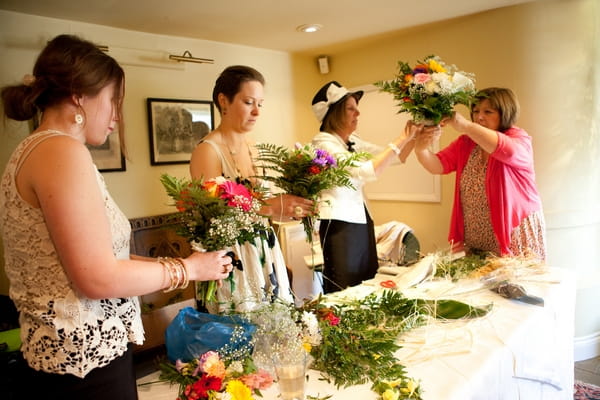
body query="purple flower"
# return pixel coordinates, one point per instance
(323, 158)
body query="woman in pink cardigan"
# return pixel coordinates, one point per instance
(497, 207)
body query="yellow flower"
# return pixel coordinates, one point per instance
(435, 66)
(410, 388)
(238, 390)
(395, 382)
(390, 394)
(307, 346)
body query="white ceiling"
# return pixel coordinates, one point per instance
(267, 24)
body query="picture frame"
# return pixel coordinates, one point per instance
(108, 157)
(175, 127)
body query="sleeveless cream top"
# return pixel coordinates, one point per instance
(62, 331)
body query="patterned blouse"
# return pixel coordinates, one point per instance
(62, 331)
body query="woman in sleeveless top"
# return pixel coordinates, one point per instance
(260, 273)
(497, 207)
(66, 243)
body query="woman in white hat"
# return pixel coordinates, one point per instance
(346, 229)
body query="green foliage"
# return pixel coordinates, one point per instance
(455, 269)
(305, 172)
(361, 347)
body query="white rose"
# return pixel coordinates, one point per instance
(443, 81)
(462, 82)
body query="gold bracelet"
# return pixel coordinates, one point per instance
(184, 272)
(171, 270)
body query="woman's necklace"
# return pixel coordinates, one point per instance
(233, 154)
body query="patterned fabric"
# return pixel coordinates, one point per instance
(259, 272)
(478, 225)
(586, 391)
(527, 239)
(62, 331)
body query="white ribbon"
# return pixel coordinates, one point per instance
(334, 94)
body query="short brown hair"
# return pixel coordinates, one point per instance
(231, 79)
(502, 100)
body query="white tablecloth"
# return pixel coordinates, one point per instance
(518, 351)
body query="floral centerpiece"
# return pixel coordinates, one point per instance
(218, 375)
(213, 215)
(306, 171)
(350, 342)
(429, 90)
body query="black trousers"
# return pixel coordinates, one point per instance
(115, 381)
(349, 253)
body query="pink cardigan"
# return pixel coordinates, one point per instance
(509, 183)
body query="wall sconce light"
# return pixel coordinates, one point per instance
(187, 57)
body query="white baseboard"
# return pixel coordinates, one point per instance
(586, 347)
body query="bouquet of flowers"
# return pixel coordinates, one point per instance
(215, 214)
(430, 90)
(306, 171)
(217, 375)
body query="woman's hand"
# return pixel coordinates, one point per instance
(426, 135)
(208, 266)
(287, 206)
(456, 121)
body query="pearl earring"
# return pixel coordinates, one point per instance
(78, 119)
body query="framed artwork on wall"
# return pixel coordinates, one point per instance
(175, 127)
(108, 157)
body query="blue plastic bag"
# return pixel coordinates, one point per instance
(193, 333)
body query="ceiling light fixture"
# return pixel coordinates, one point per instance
(309, 28)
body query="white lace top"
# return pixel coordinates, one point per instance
(62, 331)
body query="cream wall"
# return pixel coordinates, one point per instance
(547, 51)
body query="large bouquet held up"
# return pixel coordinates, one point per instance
(430, 90)
(214, 215)
(306, 171)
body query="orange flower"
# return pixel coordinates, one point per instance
(211, 187)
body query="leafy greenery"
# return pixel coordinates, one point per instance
(361, 347)
(446, 267)
(306, 171)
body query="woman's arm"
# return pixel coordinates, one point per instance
(423, 142)
(399, 147)
(486, 138)
(61, 175)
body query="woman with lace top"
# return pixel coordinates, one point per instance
(260, 273)
(66, 243)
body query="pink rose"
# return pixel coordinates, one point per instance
(422, 78)
(259, 380)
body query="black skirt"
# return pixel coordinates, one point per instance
(115, 381)
(349, 253)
